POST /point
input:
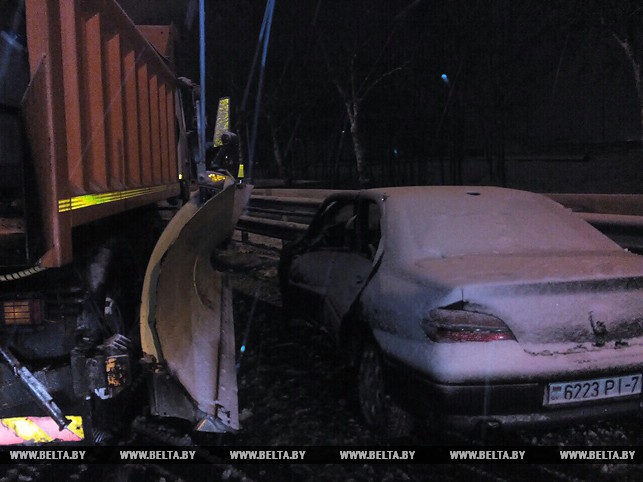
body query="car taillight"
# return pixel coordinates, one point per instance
(452, 326)
(21, 312)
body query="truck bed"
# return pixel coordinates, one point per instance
(100, 119)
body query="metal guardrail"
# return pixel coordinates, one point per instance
(283, 217)
(286, 213)
(618, 216)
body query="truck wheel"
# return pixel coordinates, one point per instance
(380, 412)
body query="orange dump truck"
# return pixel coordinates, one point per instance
(93, 159)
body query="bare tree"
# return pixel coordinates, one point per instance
(359, 57)
(622, 22)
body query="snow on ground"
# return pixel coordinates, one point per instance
(293, 390)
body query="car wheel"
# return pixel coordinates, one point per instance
(380, 412)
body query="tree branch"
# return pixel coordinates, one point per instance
(623, 43)
(379, 79)
(333, 75)
(377, 60)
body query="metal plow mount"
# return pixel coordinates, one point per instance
(186, 316)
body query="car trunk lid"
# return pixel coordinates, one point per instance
(552, 302)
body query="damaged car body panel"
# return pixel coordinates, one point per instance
(486, 303)
(187, 329)
(318, 272)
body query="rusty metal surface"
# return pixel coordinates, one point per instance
(100, 113)
(48, 147)
(162, 38)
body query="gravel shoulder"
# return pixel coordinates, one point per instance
(293, 390)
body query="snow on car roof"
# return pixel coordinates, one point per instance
(445, 221)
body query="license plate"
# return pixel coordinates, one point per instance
(598, 389)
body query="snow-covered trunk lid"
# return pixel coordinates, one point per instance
(553, 303)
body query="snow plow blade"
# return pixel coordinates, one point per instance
(187, 330)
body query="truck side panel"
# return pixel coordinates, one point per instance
(97, 118)
(45, 132)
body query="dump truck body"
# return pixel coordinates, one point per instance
(100, 119)
(95, 160)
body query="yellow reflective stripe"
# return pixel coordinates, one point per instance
(26, 429)
(76, 426)
(64, 205)
(223, 120)
(86, 200)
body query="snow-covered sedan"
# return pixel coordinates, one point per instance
(487, 306)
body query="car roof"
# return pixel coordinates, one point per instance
(442, 191)
(448, 221)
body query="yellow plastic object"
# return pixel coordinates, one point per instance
(20, 430)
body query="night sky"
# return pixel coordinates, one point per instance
(447, 92)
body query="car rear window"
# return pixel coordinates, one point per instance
(443, 222)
